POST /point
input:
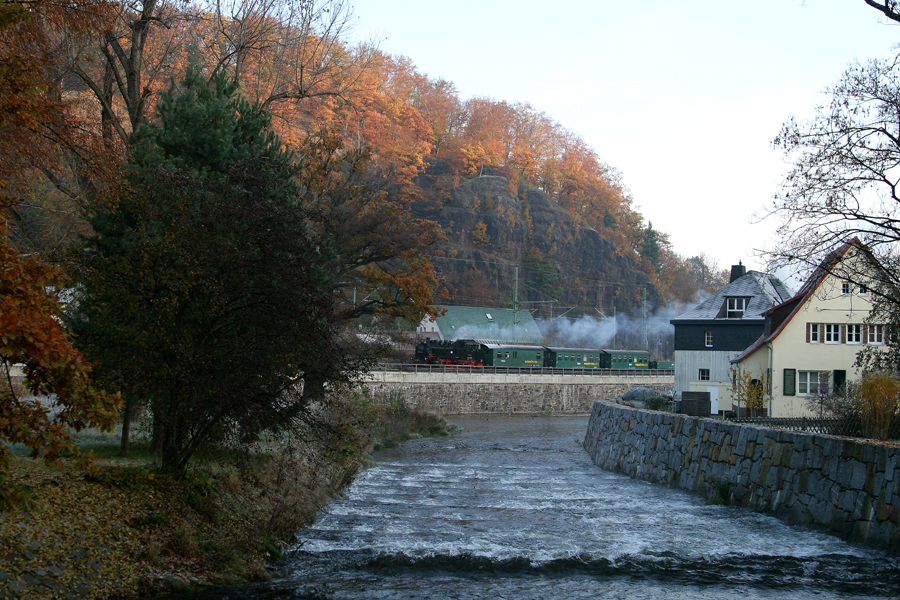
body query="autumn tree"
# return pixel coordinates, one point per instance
(56, 396)
(749, 391)
(683, 278)
(47, 148)
(56, 376)
(204, 291)
(379, 263)
(879, 398)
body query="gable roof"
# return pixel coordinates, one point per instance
(763, 290)
(496, 324)
(780, 315)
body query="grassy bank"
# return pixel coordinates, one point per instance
(396, 423)
(127, 531)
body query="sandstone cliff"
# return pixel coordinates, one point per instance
(491, 228)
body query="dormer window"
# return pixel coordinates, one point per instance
(489, 317)
(735, 307)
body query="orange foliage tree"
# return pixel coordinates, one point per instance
(31, 336)
(879, 397)
(380, 263)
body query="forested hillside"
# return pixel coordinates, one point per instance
(106, 69)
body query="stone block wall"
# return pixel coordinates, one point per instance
(848, 487)
(458, 394)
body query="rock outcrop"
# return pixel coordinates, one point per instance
(490, 228)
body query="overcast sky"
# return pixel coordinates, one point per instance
(682, 97)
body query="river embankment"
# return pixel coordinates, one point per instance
(128, 531)
(848, 487)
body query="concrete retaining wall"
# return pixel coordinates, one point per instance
(845, 486)
(475, 393)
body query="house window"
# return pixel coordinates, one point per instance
(814, 333)
(709, 339)
(812, 383)
(845, 288)
(704, 375)
(876, 334)
(832, 333)
(854, 334)
(735, 308)
(863, 290)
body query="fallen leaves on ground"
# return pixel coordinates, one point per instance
(121, 532)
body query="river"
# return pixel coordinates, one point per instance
(514, 508)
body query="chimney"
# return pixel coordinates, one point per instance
(737, 271)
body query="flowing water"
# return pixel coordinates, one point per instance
(514, 508)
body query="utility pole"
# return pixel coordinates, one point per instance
(516, 305)
(616, 334)
(644, 316)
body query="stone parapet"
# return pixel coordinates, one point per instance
(845, 486)
(486, 393)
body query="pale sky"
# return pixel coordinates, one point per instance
(682, 97)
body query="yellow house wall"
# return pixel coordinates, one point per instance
(789, 350)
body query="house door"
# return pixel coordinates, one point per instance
(713, 399)
(840, 381)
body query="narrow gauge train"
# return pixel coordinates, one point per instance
(475, 353)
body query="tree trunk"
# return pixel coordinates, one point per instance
(126, 429)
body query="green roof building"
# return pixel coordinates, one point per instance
(503, 325)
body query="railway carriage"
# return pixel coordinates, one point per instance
(515, 355)
(625, 359)
(573, 358)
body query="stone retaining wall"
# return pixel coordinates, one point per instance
(848, 487)
(459, 393)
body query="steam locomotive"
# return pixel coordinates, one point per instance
(477, 354)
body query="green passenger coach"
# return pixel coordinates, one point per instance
(625, 359)
(573, 358)
(505, 355)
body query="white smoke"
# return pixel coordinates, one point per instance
(585, 332)
(620, 331)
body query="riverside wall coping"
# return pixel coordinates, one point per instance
(848, 487)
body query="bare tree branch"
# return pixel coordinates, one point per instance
(888, 8)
